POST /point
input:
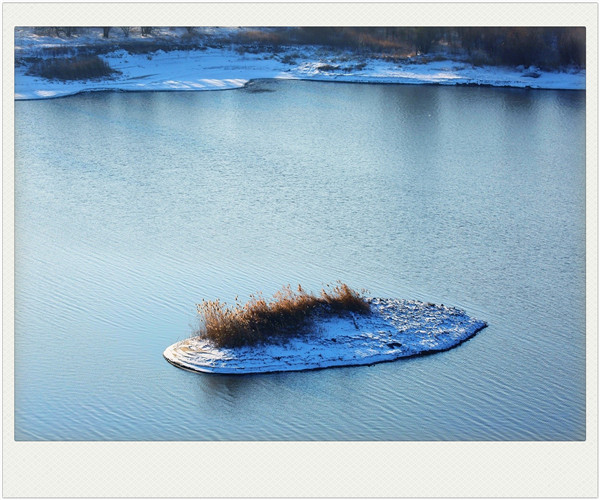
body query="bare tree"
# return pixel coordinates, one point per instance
(66, 30)
(105, 32)
(125, 30)
(146, 30)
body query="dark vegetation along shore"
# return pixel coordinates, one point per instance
(289, 313)
(72, 68)
(76, 53)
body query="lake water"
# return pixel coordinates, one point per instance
(133, 207)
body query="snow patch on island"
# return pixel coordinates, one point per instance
(394, 329)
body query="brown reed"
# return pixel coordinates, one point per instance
(290, 313)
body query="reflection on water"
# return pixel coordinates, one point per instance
(227, 388)
(131, 208)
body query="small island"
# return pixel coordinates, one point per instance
(297, 330)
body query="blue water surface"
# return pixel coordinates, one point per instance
(132, 207)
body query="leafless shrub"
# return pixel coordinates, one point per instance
(71, 68)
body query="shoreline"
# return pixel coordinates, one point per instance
(133, 91)
(251, 81)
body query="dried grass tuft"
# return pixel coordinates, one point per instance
(72, 68)
(288, 314)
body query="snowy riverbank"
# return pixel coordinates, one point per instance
(226, 68)
(395, 329)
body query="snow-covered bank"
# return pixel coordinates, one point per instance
(217, 69)
(395, 329)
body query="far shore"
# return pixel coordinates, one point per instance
(225, 67)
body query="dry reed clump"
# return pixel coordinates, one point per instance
(72, 68)
(288, 314)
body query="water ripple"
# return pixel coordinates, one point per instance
(463, 196)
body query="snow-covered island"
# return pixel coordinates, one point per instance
(206, 65)
(393, 329)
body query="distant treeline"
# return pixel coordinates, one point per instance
(545, 47)
(540, 46)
